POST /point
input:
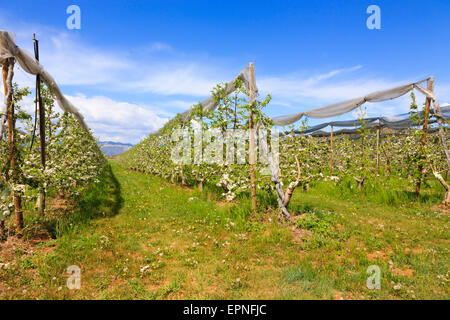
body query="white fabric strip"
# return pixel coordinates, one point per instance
(210, 104)
(427, 93)
(338, 109)
(8, 49)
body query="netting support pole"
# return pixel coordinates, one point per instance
(41, 123)
(8, 74)
(4, 119)
(252, 136)
(424, 134)
(331, 152)
(427, 111)
(378, 145)
(388, 140)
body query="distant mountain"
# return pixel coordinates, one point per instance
(112, 149)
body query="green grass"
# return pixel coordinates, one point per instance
(136, 236)
(390, 190)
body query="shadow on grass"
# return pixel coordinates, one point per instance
(99, 200)
(104, 198)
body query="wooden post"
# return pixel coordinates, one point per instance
(2, 230)
(252, 99)
(5, 85)
(427, 111)
(378, 145)
(5, 75)
(331, 150)
(388, 160)
(8, 74)
(41, 122)
(425, 131)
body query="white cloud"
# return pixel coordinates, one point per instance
(120, 121)
(190, 79)
(75, 63)
(113, 120)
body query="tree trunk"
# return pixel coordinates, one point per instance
(378, 146)
(200, 182)
(388, 160)
(289, 192)
(306, 187)
(41, 125)
(274, 168)
(292, 186)
(183, 179)
(418, 184)
(19, 215)
(2, 230)
(61, 194)
(38, 202)
(446, 200)
(360, 183)
(331, 152)
(8, 73)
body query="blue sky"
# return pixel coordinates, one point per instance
(134, 64)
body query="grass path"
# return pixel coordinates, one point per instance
(139, 237)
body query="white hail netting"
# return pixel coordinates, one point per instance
(9, 49)
(349, 105)
(8, 96)
(210, 104)
(400, 121)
